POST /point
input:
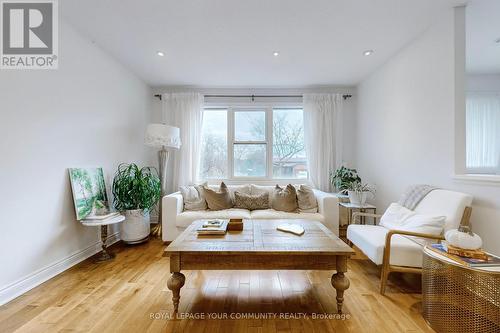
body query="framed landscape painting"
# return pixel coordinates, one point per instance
(89, 192)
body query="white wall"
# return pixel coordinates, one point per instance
(89, 112)
(406, 127)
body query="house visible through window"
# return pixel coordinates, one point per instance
(483, 133)
(253, 143)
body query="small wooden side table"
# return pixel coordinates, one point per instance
(351, 208)
(104, 254)
(456, 298)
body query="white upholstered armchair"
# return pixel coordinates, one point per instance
(396, 250)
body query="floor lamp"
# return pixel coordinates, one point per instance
(165, 138)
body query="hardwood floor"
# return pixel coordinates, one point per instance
(129, 294)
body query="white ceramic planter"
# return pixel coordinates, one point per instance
(357, 198)
(136, 228)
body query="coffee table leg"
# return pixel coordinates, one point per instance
(175, 284)
(340, 282)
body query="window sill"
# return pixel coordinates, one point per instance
(478, 179)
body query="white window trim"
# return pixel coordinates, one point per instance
(256, 106)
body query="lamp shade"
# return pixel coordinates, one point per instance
(161, 135)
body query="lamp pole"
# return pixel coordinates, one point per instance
(162, 170)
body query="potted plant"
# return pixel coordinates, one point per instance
(358, 192)
(343, 177)
(136, 191)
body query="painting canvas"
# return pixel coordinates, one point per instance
(89, 192)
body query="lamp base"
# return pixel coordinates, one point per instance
(156, 231)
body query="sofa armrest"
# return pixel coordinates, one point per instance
(172, 205)
(328, 206)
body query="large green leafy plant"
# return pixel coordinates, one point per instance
(135, 188)
(343, 177)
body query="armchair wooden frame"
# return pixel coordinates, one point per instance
(386, 266)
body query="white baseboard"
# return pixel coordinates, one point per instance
(40, 276)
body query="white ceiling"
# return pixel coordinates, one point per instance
(230, 43)
(483, 28)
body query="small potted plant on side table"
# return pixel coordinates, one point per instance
(358, 192)
(342, 178)
(136, 191)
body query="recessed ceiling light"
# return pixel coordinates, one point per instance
(159, 53)
(276, 53)
(367, 52)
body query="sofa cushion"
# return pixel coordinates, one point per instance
(306, 199)
(370, 239)
(271, 214)
(184, 219)
(218, 200)
(397, 217)
(284, 199)
(251, 202)
(193, 197)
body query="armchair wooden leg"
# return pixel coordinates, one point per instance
(383, 278)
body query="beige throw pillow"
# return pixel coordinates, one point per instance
(193, 197)
(285, 199)
(251, 202)
(218, 200)
(306, 199)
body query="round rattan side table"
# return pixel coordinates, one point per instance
(456, 298)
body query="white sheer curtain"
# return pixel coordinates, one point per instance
(483, 132)
(322, 136)
(184, 110)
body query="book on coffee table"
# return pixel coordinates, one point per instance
(213, 227)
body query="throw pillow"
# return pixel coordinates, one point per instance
(218, 200)
(284, 199)
(306, 199)
(397, 217)
(193, 197)
(251, 202)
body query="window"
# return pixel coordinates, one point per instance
(253, 143)
(213, 161)
(483, 133)
(289, 156)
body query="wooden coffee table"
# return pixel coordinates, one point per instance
(260, 247)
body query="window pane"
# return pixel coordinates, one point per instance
(289, 157)
(250, 126)
(483, 132)
(213, 162)
(249, 160)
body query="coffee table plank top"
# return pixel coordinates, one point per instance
(261, 236)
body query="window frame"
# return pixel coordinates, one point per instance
(268, 108)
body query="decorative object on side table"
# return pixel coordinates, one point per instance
(463, 237)
(164, 137)
(343, 177)
(136, 191)
(89, 192)
(358, 192)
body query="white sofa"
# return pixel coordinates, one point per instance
(175, 219)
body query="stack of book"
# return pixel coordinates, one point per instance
(213, 227)
(469, 258)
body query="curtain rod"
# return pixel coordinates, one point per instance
(257, 96)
